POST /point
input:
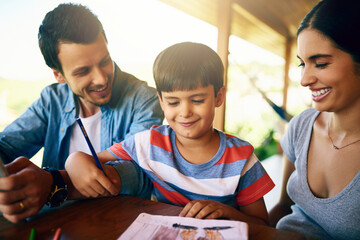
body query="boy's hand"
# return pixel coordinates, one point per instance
(114, 177)
(207, 209)
(87, 178)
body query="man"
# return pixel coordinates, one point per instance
(111, 103)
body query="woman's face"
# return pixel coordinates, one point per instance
(328, 72)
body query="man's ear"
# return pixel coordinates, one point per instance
(160, 100)
(220, 97)
(58, 75)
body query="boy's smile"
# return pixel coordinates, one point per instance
(190, 113)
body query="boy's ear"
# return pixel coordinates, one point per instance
(160, 100)
(220, 97)
(58, 75)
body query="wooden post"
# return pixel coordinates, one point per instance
(224, 27)
(288, 47)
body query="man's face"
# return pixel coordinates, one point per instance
(88, 70)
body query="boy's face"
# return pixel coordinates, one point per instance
(190, 113)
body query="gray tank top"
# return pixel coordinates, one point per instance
(337, 217)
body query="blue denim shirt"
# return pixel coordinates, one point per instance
(48, 122)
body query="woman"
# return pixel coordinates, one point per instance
(322, 145)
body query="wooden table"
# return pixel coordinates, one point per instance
(107, 218)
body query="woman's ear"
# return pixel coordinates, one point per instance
(220, 97)
(58, 75)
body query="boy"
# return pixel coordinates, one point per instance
(188, 162)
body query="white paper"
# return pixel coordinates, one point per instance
(158, 227)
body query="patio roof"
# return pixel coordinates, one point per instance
(266, 23)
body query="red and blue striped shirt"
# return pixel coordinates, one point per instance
(234, 176)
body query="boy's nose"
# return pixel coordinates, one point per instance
(185, 111)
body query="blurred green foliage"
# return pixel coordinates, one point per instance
(268, 147)
(20, 94)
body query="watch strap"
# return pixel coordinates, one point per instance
(58, 184)
(57, 178)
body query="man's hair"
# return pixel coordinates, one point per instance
(69, 22)
(187, 66)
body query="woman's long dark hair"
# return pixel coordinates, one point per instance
(339, 20)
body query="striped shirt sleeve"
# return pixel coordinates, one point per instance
(254, 182)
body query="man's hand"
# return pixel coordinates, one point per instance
(24, 192)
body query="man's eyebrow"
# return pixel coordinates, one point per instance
(82, 68)
(106, 57)
(317, 56)
(78, 70)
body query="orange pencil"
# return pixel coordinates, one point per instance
(57, 234)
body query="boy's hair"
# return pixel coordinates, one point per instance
(67, 23)
(186, 66)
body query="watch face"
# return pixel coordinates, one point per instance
(59, 196)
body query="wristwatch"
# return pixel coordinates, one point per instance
(59, 192)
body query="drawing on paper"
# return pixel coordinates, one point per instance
(156, 227)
